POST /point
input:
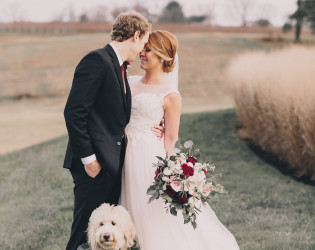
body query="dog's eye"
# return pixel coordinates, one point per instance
(101, 224)
(113, 223)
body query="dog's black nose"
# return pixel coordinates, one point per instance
(106, 237)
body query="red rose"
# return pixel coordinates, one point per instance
(170, 191)
(183, 199)
(187, 170)
(206, 171)
(157, 172)
(193, 160)
(177, 196)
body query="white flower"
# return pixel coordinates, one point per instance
(177, 167)
(197, 202)
(197, 180)
(192, 190)
(167, 171)
(198, 166)
(165, 178)
(211, 167)
(181, 160)
(191, 202)
(190, 164)
(171, 164)
(197, 177)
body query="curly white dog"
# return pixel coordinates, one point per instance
(110, 227)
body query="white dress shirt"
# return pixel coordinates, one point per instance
(89, 159)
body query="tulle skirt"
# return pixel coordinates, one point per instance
(156, 229)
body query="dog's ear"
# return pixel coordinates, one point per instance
(129, 238)
(130, 233)
(127, 226)
(91, 231)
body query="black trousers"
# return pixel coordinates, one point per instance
(90, 193)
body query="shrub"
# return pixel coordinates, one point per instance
(275, 103)
(287, 27)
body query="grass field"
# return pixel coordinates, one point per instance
(264, 208)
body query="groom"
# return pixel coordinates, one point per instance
(97, 112)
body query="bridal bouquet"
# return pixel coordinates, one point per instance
(184, 183)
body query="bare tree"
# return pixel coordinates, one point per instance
(99, 13)
(15, 12)
(59, 16)
(118, 10)
(144, 11)
(71, 13)
(240, 9)
(206, 10)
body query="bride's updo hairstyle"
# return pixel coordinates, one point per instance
(164, 44)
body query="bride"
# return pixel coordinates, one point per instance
(154, 97)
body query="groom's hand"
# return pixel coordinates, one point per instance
(158, 130)
(93, 168)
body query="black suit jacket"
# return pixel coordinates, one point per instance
(97, 110)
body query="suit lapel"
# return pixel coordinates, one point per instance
(118, 72)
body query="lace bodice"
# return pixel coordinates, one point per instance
(147, 108)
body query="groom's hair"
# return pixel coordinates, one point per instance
(127, 23)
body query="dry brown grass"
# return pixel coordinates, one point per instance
(275, 102)
(43, 66)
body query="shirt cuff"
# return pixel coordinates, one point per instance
(88, 160)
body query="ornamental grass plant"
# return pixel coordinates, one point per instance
(274, 97)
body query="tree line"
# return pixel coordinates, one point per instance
(305, 14)
(171, 13)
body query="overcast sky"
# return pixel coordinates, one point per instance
(276, 11)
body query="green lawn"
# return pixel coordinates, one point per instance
(264, 209)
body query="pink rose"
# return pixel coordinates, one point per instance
(192, 191)
(175, 183)
(207, 190)
(190, 187)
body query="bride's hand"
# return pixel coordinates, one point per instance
(158, 130)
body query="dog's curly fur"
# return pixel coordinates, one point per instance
(110, 227)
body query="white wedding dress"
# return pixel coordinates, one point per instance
(156, 229)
